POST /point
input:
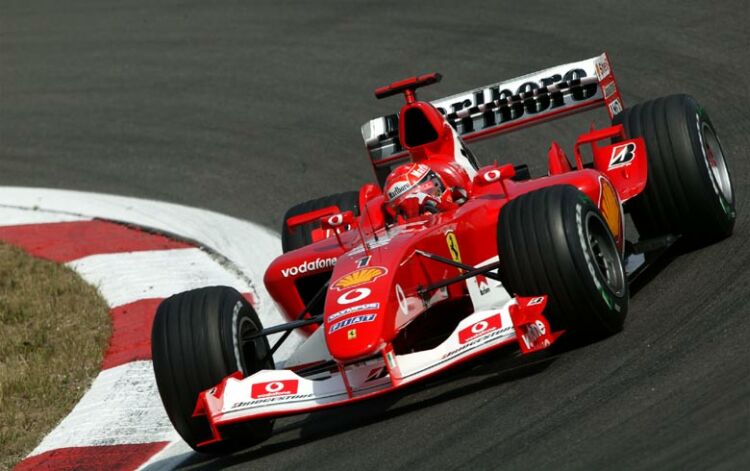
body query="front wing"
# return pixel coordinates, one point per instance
(276, 393)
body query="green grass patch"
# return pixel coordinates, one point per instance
(54, 329)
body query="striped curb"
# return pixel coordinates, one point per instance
(137, 254)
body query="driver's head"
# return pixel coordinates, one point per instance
(413, 189)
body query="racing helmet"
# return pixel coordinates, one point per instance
(413, 189)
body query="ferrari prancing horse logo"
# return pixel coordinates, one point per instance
(450, 239)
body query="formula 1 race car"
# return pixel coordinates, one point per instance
(443, 260)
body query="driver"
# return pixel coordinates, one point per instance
(414, 189)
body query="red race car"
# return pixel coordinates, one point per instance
(443, 260)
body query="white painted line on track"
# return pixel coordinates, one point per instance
(125, 396)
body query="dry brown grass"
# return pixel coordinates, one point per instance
(53, 331)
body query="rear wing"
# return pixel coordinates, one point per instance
(507, 106)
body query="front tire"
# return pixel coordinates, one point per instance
(689, 189)
(195, 343)
(554, 242)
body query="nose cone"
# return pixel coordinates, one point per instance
(356, 312)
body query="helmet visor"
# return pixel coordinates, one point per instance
(430, 184)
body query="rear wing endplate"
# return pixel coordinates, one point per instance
(507, 106)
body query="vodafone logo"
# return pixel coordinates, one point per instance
(354, 295)
(309, 266)
(492, 176)
(274, 388)
(336, 220)
(540, 325)
(479, 329)
(533, 333)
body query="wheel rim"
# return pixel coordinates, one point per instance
(717, 166)
(603, 252)
(250, 349)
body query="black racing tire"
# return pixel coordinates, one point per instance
(554, 241)
(195, 344)
(302, 235)
(689, 190)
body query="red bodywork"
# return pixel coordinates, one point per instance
(378, 270)
(394, 278)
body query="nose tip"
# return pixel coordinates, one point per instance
(354, 337)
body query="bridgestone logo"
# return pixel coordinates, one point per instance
(311, 266)
(622, 155)
(271, 401)
(481, 340)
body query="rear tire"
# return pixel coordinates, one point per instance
(689, 189)
(302, 235)
(195, 344)
(554, 242)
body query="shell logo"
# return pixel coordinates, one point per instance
(609, 205)
(359, 277)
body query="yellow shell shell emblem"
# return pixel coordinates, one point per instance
(359, 277)
(609, 205)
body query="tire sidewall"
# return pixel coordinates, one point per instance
(544, 249)
(697, 118)
(610, 307)
(681, 196)
(196, 343)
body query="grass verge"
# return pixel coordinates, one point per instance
(53, 331)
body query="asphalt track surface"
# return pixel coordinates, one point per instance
(249, 107)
